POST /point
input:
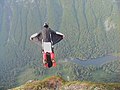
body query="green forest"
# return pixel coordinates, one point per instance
(91, 29)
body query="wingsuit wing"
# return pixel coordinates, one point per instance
(56, 37)
(37, 38)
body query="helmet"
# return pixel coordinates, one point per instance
(45, 25)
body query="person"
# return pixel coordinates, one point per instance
(47, 37)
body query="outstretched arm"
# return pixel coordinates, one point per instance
(56, 36)
(60, 34)
(36, 38)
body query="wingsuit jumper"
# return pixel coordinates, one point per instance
(47, 37)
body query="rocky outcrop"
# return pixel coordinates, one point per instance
(57, 83)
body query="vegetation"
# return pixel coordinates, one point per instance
(91, 29)
(58, 83)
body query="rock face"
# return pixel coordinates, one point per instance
(91, 28)
(57, 83)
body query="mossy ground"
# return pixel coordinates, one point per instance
(56, 82)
